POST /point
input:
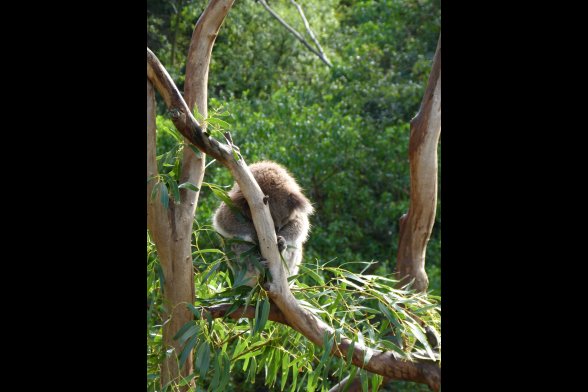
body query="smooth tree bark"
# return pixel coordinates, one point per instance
(171, 228)
(312, 327)
(417, 224)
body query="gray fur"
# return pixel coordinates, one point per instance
(289, 208)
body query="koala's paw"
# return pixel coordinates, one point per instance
(264, 262)
(281, 243)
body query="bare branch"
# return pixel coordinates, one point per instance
(295, 33)
(417, 224)
(196, 90)
(278, 290)
(308, 30)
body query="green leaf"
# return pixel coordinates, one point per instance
(368, 355)
(261, 314)
(239, 348)
(294, 376)
(187, 349)
(173, 132)
(351, 378)
(350, 352)
(190, 186)
(388, 345)
(364, 381)
(193, 330)
(421, 338)
(186, 380)
(425, 308)
(216, 377)
(264, 313)
(202, 251)
(212, 269)
(327, 346)
(274, 364)
(252, 371)
(376, 381)
(218, 122)
(194, 311)
(285, 370)
(223, 195)
(316, 277)
(164, 196)
(197, 115)
(203, 358)
(175, 191)
(311, 383)
(182, 330)
(389, 315)
(225, 373)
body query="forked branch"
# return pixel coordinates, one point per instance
(296, 34)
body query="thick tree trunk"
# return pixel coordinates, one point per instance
(172, 228)
(416, 225)
(166, 226)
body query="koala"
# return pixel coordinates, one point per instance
(289, 209)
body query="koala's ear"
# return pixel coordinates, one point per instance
(297, 201)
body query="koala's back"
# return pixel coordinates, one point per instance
(288, 206)
(273, 179)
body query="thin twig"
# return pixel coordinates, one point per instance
(308, 30)
(295, 33)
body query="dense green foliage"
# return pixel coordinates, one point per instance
(342, 131)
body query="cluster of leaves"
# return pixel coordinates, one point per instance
(365, 308)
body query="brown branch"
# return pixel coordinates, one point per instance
(295, 33)
(278, 290)
(218, 311)
(196, 91)
(417, 224)
(180, 114)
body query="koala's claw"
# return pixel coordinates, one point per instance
(281, 243)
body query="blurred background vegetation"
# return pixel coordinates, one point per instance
(343, 131)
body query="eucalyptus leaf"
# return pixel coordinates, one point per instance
(164, 196)
(187, 349)
(218, 122)
(189, 185)
(203, 359)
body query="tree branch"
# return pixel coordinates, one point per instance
(196, 90)
(308, 30)
(417, 224)
(278, 290)
(296, 33)
(218, 311)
